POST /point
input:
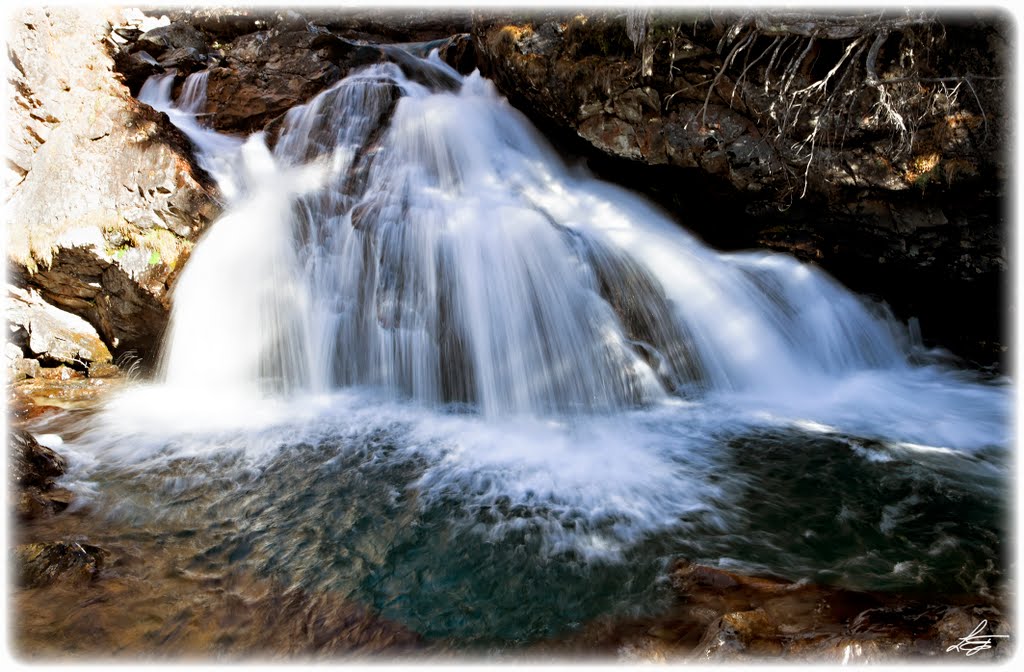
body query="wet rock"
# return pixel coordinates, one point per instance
(184, 60)
(32, 472)
(105, 200)
(31, 503)
(44, 564)
(54, 389)
(21, 407)
(135, 68)
(176, 36)
(265, 74)
(458, 51)
(721, 616)
(740, 632)
(32, 464)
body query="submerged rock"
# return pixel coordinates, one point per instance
(724, 617)
(44, 564)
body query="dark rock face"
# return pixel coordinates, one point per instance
(104, 199)
(774, 130)
(459, 52)
(33, 465)
(32, 472)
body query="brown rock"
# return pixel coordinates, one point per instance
(266, 74)
(32, 464)
(103, 370)
(34, 503)
(44, 564)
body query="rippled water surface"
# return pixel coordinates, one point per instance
(475, 532)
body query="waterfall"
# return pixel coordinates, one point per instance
(421, 363)
(411, 231)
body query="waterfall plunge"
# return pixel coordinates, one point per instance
(424, 239)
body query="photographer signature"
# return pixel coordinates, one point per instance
(975, 642)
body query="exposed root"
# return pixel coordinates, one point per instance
(876, 84)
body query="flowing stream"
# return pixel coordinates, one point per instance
(422, 362)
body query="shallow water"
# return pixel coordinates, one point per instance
(479, 533)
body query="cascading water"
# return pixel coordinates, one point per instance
(443, 253)
(447, 374)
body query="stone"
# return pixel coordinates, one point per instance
(459, 52)
(103, 370)
(44, 564)
(184, 60)
(53, 334)
(32, 503)
(265, 74)
(31, 464)
(135, 68)
(33, 468)
(177, 35)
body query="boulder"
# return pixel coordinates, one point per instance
(31, 475)
(51, 334)
(177, 35)
(104, 198)
(32, 464)
(268, 72)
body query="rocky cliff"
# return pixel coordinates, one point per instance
(104, 201)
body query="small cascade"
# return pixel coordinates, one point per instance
(411, 231)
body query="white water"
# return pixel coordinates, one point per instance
(447, 255)
(379, 265)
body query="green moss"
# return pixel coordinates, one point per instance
(924, 179)
(163, 246)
